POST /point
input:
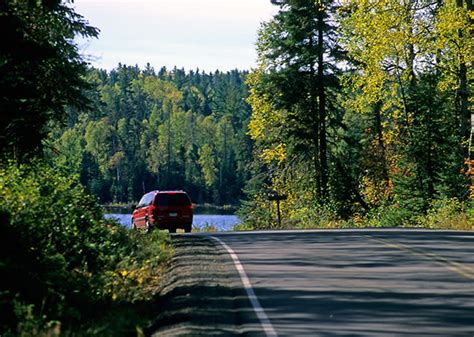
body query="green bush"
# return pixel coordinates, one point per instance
(256, 214)
(391, 216)
(314, 217)
(244, 227)
(447, 214)
(64, 261)
(442, 214)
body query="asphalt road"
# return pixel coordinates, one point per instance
(361, 283)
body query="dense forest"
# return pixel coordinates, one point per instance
(356, 110)
(362, 109)
(166, 129)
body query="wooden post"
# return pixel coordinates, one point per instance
(471, 158)
(279, 213)
(278, 198)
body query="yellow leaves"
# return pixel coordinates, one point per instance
(382, 34)
(375, 191)
(208, 164)
(265, 121)
(276, 153)
(263, 117)
(134, 283)
(376, 34)
(161, 90)
(454, 42)
(449, 21)
(448, 83)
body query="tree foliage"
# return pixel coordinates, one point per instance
(40, 71)
(159, 130)
(64, 261)
(397, 94)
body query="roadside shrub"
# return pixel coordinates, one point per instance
(447, 214)
(391, 216)
(257, 214)
(315, 217)
(64, 262)
(244, 227)
(210, 228)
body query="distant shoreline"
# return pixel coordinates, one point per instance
(198, 208)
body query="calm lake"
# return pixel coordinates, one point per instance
(220, 222)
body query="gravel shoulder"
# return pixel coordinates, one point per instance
(202, 294)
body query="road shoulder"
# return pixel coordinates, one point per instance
(202, 294)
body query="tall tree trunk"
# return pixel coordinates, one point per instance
(380, 142)
(470, 7)
(322, 104)
(222, 166)
(430, 147)
(463, 91)
(314, 113)
(421, 165)
(168, 145)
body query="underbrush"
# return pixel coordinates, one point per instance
(207, 228)
(448, 214)
(70, 272)
(442, 214)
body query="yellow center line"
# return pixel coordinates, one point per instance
(459, 268)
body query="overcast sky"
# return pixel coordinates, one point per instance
(205, 34)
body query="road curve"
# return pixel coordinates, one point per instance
(361, 282)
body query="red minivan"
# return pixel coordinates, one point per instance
(163, 210)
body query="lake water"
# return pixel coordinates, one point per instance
(200, 221)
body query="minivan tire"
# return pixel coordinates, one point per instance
(147, 226)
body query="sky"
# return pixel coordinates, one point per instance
(207, 34)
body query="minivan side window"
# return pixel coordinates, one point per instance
(146, 200)
(141, 203)
(149, 200)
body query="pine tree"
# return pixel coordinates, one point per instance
(41, 71)
(295, 83)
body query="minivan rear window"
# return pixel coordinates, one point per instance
(172, 199)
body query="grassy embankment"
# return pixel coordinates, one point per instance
(70, 272)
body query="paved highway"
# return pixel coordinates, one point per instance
(360, 282)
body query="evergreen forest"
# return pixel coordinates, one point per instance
(166, 130)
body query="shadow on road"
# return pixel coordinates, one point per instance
(202, 294)
(323, 284)
(362, 283)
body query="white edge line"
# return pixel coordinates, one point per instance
(262, 316)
